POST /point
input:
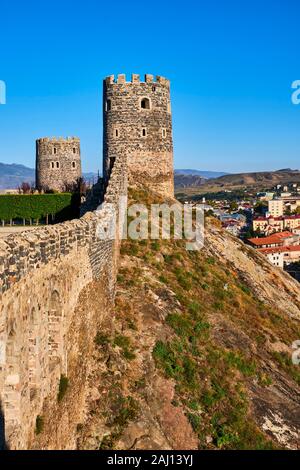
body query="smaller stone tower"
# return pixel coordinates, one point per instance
(58, 162)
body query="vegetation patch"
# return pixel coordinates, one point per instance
(63, 387)
(124, 343)
(39, 424)
(101, 339)
(61, 206)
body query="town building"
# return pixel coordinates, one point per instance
(274, 240)
(283, 255)
(269, 225)
(276, 207)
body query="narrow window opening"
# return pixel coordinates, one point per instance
(73, 164)
(117, 132)
(74, 150)
(145, 103)
(54, 151)
(52, 164)
(108, 105)
(57, 164)
(144, 132)
(164, 133)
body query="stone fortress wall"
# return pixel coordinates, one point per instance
(58, 162)
(46, 328)
(137, 123)
(42, 275)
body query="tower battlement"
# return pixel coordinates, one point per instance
(58, 139)
(135, 79)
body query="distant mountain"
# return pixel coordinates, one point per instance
(188, 181)
(262, 178)
(255, 181)
(188, 178)
(203, 173)
(90, 177)
(13, 175)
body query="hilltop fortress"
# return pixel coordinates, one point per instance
(48, 315)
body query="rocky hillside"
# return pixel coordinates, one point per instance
(256, 180)
(200, 352)
(187, 181)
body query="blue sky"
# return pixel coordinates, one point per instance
(231, 65)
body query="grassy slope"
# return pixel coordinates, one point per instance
(198, 351)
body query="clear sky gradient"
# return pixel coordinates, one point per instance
(231, 65)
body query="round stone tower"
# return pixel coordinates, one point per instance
(137, 124)
(58, 162)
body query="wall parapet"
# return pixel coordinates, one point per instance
(19, 254)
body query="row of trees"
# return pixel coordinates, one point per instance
(32, 206)
(37, 207)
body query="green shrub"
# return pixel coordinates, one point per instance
(195, 421)
(246, 367)
(39, 424)
(181, 325)
(63, 387)
(101, 339)
(128, 411)
(166, 358)
(124, 343)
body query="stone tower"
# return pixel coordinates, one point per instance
(137, 124)
(58, 162)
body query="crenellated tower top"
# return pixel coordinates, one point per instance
(135, 79)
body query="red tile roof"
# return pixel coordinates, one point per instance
(275, 238)
(283, 217)
(280, 249)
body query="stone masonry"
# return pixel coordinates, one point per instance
(138, 126)
(43, 272)
(58, 163)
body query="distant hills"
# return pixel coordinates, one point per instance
(188, 178)
(263, 179)
(203, 173)
(255, 181)
(13, 175)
